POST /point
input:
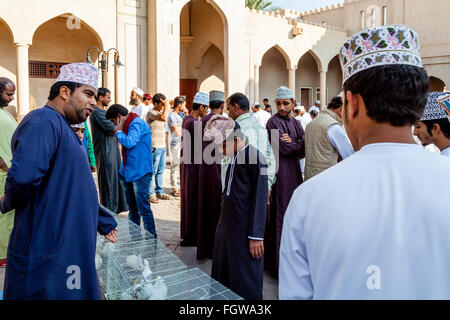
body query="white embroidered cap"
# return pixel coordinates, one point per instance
(78, 126)
(284, 93)
(437, 107)
(202, 98)
(82, 73)
(386, 45)
(314, 109)
(219, 128)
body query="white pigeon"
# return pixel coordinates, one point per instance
(135, 262)
(147, 291)
(107, 249)
(98, 261)
(147, 273)
(159, 290)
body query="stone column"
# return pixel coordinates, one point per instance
(323, 90)
(256, 84)
(23, 81)
(292, 79)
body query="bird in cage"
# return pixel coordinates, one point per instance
(98, 261)
(147, 273)
(107, 249)
(135, 262)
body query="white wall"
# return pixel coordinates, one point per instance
(132, 43)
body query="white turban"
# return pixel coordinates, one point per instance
(139, 92)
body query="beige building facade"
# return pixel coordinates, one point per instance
(181, 46)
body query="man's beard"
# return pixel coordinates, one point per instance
(3, 104)
(133, 102)
(288, 115)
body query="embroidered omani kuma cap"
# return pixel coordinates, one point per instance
(217, 96)
(437, 107)
(284, 93)
(202, 99)
(386, 45)
(219, 128)
(77, 126)
(82, 73)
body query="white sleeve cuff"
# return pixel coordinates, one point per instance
(257, 239)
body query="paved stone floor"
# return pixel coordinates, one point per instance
(167, 220)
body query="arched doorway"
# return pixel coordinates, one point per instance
(307, 81)
(272, 75)
(202, 34)
(7, 52)
(334, 78)
(436, 84)
(8, 63)
(54, 44)
(211, 74)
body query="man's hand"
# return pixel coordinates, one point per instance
(165, 104)
(286, 138)
(112, 236)
(268, 198)
(121, 123)
(3, 165)
(256, 248)
(93, 169)
(1, 204)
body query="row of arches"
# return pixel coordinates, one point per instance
(203, 65)
(52, 43)
(274, 72)
(203, 57)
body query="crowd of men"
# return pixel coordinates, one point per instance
(338, 203)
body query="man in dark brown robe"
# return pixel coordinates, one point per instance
(210, 185)
(291, 142)
(191, 148)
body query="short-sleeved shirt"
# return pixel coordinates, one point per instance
(175, 120)
(157, 128)
(141, 110)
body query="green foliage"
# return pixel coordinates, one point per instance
(258, 4)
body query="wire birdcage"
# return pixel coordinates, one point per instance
(139, 267)
(129, 235)
(160, 259)
(187, 285)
